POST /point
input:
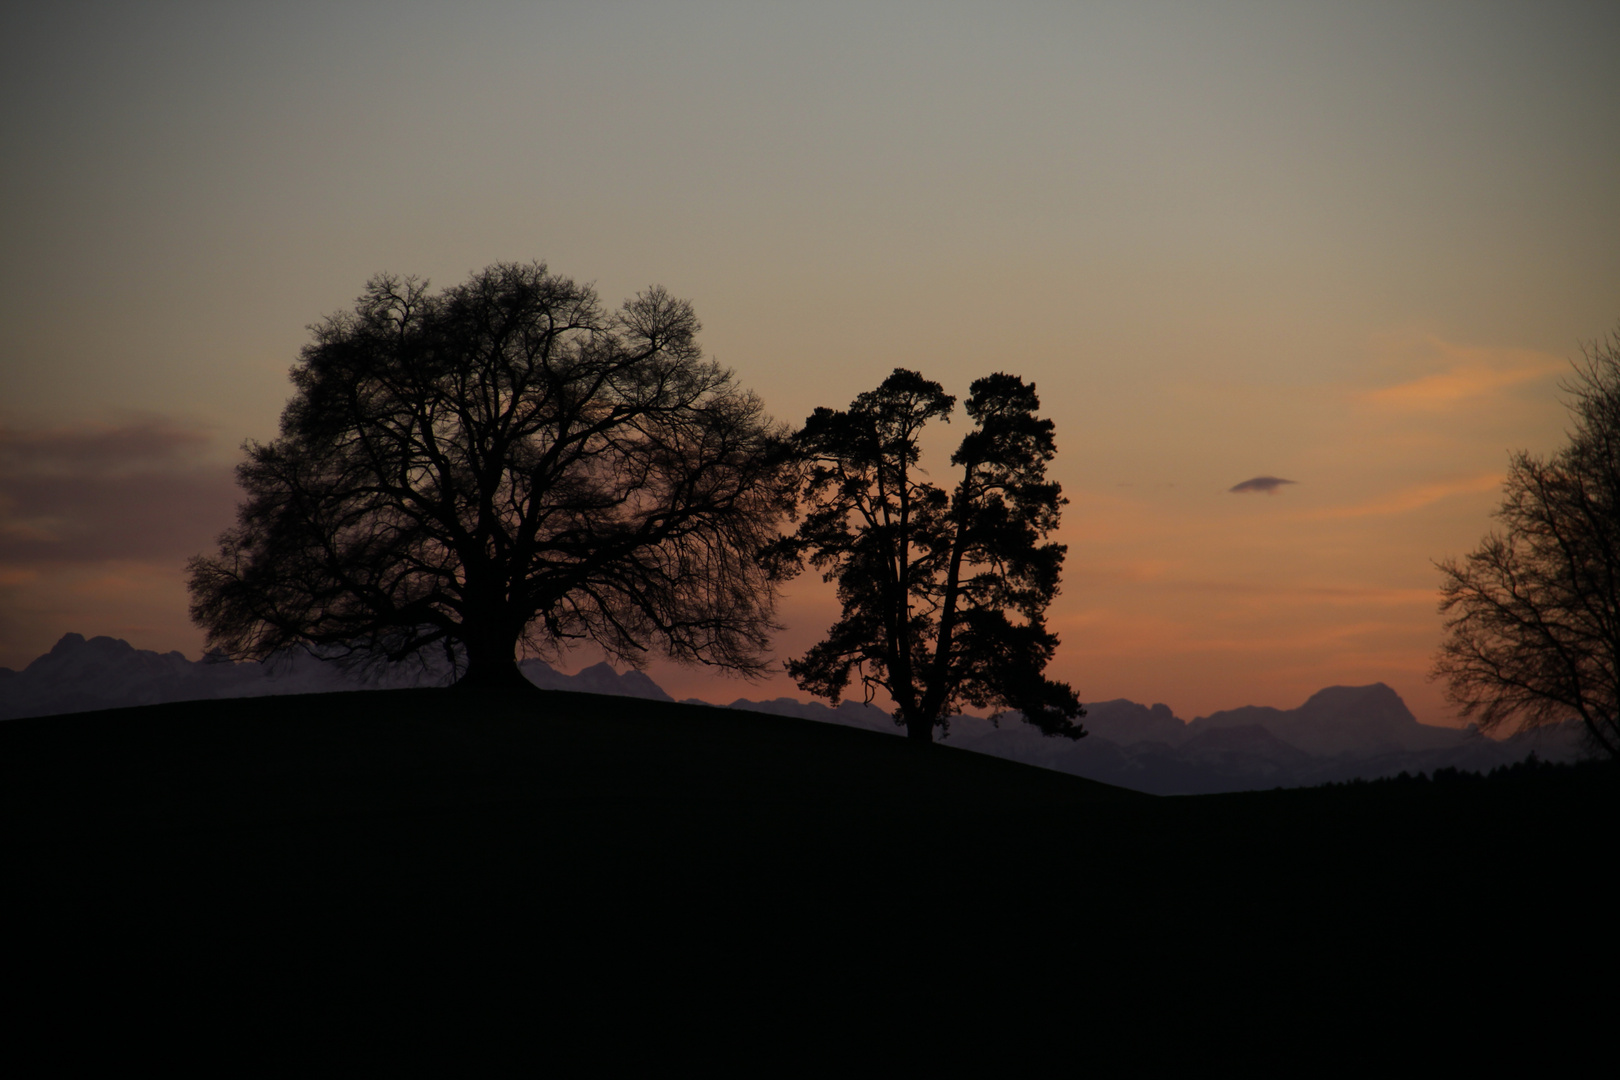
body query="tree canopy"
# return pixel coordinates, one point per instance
(943, 595)
(504, 466)
(1533, 614)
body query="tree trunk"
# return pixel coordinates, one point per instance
(492, 665)
(919, 730)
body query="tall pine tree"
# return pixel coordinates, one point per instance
(944, 595)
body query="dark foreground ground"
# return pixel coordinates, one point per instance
(310, 868)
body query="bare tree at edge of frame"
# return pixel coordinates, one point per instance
(1532, 616)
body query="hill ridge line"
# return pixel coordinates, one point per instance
(1338, 733)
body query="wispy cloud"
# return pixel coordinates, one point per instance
(143, 489)
(1412, 498)
(134, 444)
(1266, 484)
(1472, 375)
(97, 520)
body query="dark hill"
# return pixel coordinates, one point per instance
(316, 863)
(272, 760)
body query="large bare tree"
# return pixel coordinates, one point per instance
(1533, 614)
(501, 466)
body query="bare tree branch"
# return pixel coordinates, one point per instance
(1533, 614)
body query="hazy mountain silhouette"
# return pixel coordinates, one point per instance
(80, 674)
(1340, 733)
(1340, 719)
(596, 679)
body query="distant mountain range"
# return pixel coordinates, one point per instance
(1341, 733)
(80, 674)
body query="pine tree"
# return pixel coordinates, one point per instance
(944, 595)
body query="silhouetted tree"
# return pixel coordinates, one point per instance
(501, 464)
(928, 581)
(1533, 615)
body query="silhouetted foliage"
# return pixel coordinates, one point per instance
(498, 465)
(1532, 770)
(1533, 615)
(928, 580)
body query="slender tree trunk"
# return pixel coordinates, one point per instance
(938, 685)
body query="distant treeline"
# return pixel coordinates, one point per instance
(1530, 769)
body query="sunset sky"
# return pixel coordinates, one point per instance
(1350, 245)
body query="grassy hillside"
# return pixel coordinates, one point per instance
(338, 843)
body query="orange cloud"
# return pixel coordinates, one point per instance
(1411, 498)
(1473, 373)
(1144, 570)
(1354, 595)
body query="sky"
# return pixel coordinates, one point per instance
(1354, 246)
